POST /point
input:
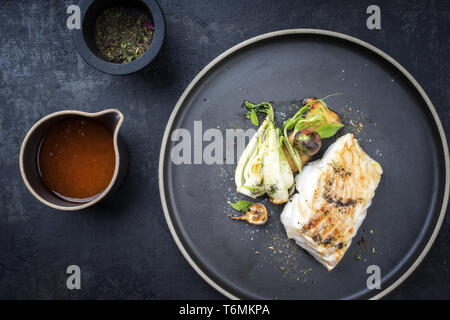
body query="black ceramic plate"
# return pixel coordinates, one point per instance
(381, 104)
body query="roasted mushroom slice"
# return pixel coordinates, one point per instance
(256, 214)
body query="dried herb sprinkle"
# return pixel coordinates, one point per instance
(122, 36)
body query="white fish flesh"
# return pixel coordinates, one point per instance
(333, 196)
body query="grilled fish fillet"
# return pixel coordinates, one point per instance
(334, 195)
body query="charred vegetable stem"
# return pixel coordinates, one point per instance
(292, 152)
(291, 124)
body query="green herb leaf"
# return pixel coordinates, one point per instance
(264, 107)
(310, 122)
(249, 105)
(328, 129)
(241, 205)
(303, 110)
(254, 117)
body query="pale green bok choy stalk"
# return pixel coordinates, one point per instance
(263, 168)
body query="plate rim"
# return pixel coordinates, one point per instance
(284, 32)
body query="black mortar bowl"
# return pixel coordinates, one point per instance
(85, 42)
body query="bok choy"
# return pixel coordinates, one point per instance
(263, 167)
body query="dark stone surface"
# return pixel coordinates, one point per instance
(123, 246)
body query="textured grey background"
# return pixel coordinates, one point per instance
(123, 246)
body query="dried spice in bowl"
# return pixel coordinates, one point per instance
(122, 36)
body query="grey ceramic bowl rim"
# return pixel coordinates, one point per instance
(80, 113)
(336, 35)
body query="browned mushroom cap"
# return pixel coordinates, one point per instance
(256, 214)
(306, 142)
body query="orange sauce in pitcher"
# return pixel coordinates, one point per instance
(76, 159)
